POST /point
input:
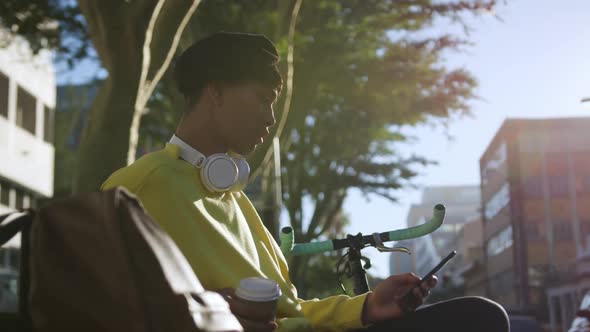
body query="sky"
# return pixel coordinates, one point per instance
(533, 63)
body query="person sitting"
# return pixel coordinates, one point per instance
(193, 189)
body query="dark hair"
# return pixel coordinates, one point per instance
(227, 57)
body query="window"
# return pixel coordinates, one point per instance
(499, 242)
(449, 228)
(496, 164)
(4, 193)
(14, 259)
(562, 230)
(26, 110)
(585, 183)
(9, 260)
(558, 186)
(3, 95)
(49, 125)
(585, 228)
(502, 283)
(531, 228)
(533, 187)
(19, 199)
(26, 201)
(33, 202)
(497, 202)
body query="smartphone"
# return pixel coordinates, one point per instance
(409, 300)
(438, 266)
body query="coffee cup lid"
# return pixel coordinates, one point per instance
(258, 289)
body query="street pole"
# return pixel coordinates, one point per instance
(277, 188)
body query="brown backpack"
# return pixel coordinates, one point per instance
(98, 262)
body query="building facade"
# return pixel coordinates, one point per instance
(535, 186)
(472, 272)
(27, 103)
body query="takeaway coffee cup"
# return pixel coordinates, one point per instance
(261, 295)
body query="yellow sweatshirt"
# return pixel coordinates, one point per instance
(224, 239)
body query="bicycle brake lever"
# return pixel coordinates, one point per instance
(382, 248)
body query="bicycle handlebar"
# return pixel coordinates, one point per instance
(288, 247)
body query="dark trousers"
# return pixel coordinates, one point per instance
(469, 314)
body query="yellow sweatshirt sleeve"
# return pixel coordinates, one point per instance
(334, 313)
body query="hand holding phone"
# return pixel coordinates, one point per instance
(409, 300)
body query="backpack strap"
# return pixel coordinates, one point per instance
(12, 223)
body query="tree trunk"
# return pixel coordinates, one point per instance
(115, 28)
(105, 142)
(118, 30)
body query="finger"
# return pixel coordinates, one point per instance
(403, 281)
(419, 296)
(409, 302)
(250, 325)
(409, 279)
(425, 288)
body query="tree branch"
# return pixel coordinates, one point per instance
(172, 49)
(319, 214)
(146, 52)
(330, 218)
(146, 87)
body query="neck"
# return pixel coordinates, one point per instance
(200, 134)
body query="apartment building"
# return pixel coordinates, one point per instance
(27, 104)
(535, 186)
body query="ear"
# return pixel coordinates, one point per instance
(214, 91)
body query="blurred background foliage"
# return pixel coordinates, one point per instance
(362, 69)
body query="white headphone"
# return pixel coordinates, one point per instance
(220, 172)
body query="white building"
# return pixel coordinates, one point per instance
(27, 104)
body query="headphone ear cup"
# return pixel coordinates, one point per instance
(219, 173)
(243, 174)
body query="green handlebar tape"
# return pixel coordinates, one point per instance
(287, 238)
(288, 248)
(312, 248)
(438, 216)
